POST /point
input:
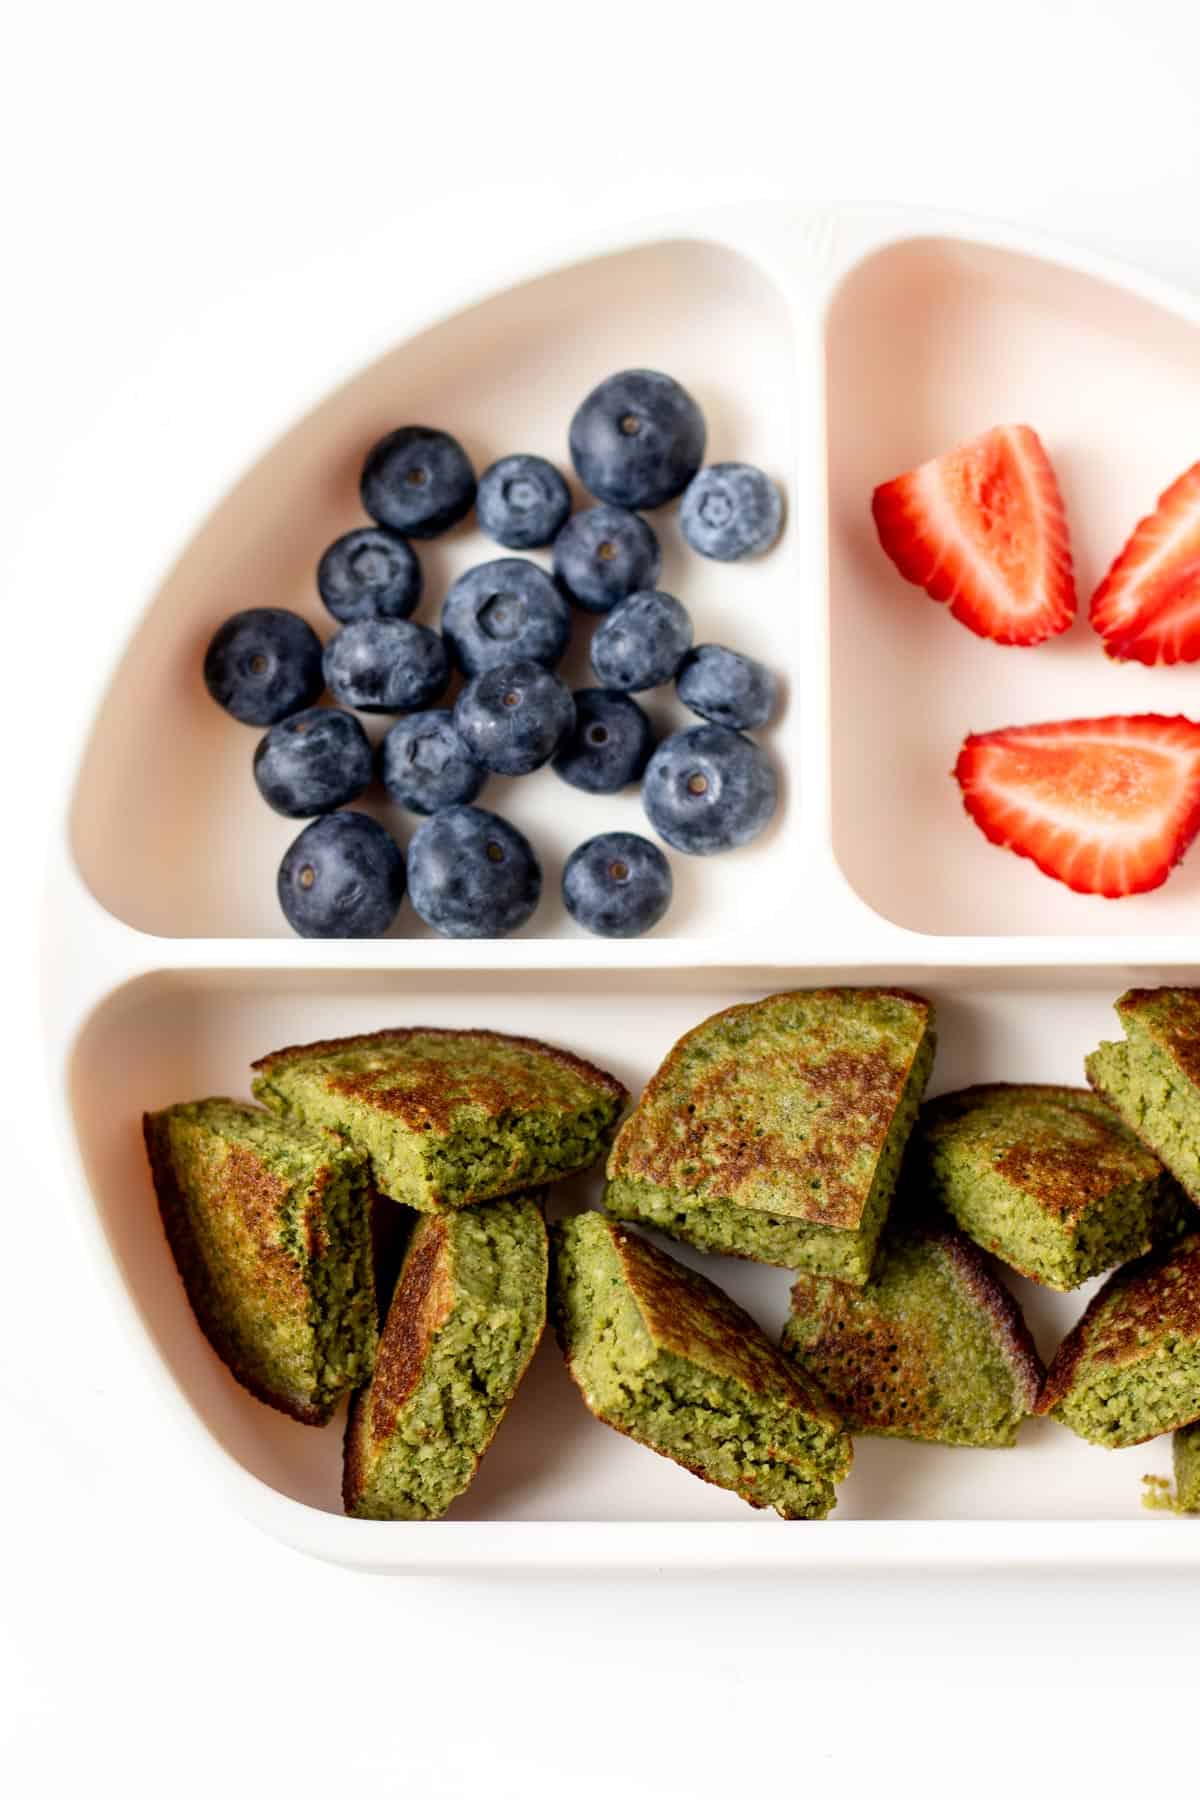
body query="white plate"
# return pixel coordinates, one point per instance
(168, 968)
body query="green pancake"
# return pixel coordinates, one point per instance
(269, 1227)
(1046, 1178)
(775, 1130)
(933, 1347)
(449, 1118)
(465, 1319)
(1152, 1078)
(1130, 1369)
(665, 1357)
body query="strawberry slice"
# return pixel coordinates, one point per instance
(983, 529)
(1106, 805)
(1147, 608)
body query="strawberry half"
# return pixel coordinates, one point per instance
(1106, 805)
(983, 529)
(1147, 608)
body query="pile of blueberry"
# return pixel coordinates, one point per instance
(636, 442)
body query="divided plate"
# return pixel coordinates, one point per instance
(834, 350)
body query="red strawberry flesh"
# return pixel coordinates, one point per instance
(983, 530)
(1147, 608)
(1107, 806)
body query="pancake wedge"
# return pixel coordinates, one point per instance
(449, 1118)
(775, 1130)
(1046, 1178)
(933, 1347)
(465, 1319)
(1130, 1369)
(1152, 1078)
(269, 1227)
(662, 1355)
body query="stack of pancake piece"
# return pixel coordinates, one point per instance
(374, 1227)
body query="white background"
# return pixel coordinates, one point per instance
(176, 181)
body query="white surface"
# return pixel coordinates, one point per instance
(183, 192)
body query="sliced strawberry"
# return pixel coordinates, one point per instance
(983, 529)
(1106, 805)
(1147, 608)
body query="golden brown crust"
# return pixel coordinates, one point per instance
(857, 1091)
(421, 1305)
(257, 1194)
(1157, 1296)
(871, 1363)
(859, 1102)
(847, 1350)
(1171, 1016)
(430, 1094)
(689, 1316)
(1065, 1169)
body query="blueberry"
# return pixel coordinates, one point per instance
(731, 510)
(386, 665)
(513, 718)
(263, 664)
(472, 874)
(424, 764)
(726, 687)
(617, 884)
(312, 762)
(609, 745)
(603, 554)
(369, 574)
(343, 877)
(522, 502)
(418, 481)
(642, 642)
(637, 439)
(505, 611)
(708, 789)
